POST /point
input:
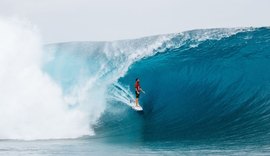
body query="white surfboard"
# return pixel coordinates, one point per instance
(137, 108)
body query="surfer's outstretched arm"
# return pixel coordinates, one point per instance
(142, 90)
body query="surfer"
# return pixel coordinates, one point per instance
(138, 89)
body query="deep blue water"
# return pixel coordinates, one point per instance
(219, 90)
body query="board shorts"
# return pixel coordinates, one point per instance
(137, 95)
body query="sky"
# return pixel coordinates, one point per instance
(106, 20)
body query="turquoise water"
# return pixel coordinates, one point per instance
(98, 147)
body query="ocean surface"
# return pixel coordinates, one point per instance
(207, 93)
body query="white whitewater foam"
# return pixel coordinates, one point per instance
(31, 104)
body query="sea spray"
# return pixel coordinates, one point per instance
(32, 105)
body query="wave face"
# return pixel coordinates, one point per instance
(213, 88)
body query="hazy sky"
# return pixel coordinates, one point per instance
(95, 20)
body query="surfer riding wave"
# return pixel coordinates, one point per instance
(138, 89)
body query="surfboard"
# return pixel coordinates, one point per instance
(138, 108)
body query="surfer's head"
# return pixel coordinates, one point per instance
(137, 79)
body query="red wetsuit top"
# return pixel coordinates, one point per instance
(137, 86)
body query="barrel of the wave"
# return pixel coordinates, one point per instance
(217, 89)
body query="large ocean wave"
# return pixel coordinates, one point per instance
(203, 84)
(203, 88)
